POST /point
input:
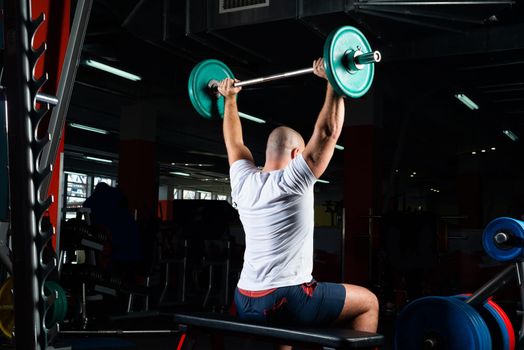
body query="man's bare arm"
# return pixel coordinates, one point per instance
(231, 126)
(319, 150)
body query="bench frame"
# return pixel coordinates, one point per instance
(191, 324)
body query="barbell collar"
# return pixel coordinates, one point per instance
(357, 60)
(368, 57)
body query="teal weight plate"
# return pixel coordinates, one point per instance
(338, 44)
(204, 101)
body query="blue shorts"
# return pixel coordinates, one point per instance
(307, 304)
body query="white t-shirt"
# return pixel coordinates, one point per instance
(276, 210)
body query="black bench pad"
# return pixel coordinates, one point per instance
(338, 338)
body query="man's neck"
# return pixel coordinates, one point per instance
(272, 165)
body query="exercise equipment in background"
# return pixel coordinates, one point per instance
(470, 321)
(56, 299)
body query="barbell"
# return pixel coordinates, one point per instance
(348, 61)
(451, 323)
(503, 239)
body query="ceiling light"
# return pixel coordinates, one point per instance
(208, 154)
(483, 151)
(179, 173)
(411, 175)
(88, 128)
(339, 147)
(414, 173)
(493, 148)
(250, 117)
(112, 70)
(473, 152)
(323, 181)
(467, 101)
(192, 164)
(102, 160)
(511, 135)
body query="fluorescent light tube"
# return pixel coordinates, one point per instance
(88, 128)
(99, 159)
(511, 135)
(179, 173)
(250, 117)
(112, 70)
(467, 101)
(339, 147)
(323, 181)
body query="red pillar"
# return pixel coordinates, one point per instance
(362, 187)
(138, 168)
(55, 32)
(469, 193)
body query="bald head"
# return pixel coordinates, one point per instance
(282, 143)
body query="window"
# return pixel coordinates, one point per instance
(188, 194)
(98, 179)
(204, 195)
(76, 190)
(78, 187)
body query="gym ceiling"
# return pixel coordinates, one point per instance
(431, 51)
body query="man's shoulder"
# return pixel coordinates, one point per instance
(242, 165)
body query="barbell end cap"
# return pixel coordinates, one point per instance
(377, 56)
(501, 238)
(212, 85)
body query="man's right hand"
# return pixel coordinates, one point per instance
(227, 89)
(319, 69)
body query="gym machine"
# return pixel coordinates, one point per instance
(30, 165)
(471, 321)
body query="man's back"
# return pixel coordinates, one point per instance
(276, 209)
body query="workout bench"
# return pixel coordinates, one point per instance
(325, 338)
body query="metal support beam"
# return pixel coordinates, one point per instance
(18, 62)
(65, 86)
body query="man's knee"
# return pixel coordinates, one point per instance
(373, 302)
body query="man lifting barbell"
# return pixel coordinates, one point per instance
(276, 209)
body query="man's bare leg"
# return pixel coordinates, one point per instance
(360, 308)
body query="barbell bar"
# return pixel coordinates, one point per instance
(360, 61)
(348, 61)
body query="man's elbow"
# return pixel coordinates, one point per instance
(331, 131)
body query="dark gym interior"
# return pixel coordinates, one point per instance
(142, 225)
